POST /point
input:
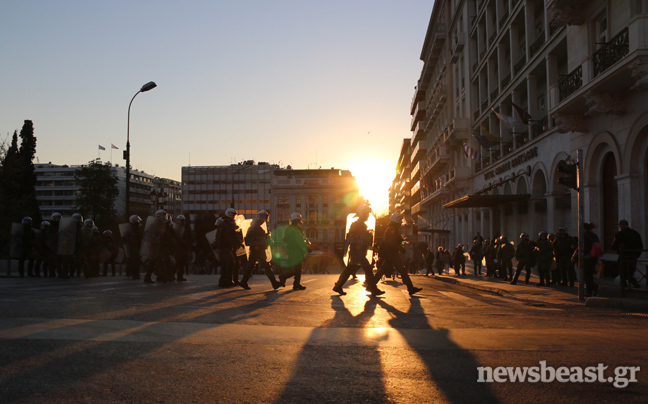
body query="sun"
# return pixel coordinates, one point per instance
(374, 177)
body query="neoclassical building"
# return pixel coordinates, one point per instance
(562, 76)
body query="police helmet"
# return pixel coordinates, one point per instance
(295, 217)
(542, 232)
(263, 213)
(363, 210)
(160, 213)
(396, 218)
(134, 219)
(180, 217)
(524, 234)
(27, 221)
(230, 211)
(44, 224)
(77, 217)
(88, 223)
(219, 221)
(107, 233)
(56, 216)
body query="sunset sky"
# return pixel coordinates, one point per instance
(304, 83)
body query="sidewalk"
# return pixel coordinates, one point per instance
(558, 295)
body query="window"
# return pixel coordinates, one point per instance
(312, 201)
(283, 201)
(600, 29)
(298, 201)
(325, 201)
(311, 215)
(311, 234)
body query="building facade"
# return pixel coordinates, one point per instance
(324, 198)
(538, 80)
(57, 189)
(212, 189)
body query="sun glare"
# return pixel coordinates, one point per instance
(374, 178)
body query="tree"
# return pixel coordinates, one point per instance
(97, 193)
(18, 179)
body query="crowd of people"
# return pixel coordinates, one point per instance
(554, 256)
(67, 247)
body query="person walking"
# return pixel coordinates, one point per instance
(589, 260)
(429, 262)
(505, 254)
(297, 246)
(439, 260)
(545, 258)
(490, 254)
(628, 244)
(563, 250)
(391, 251)
(359, 239)
(258, 240)
(459, 260)
(524, 256)
(476, 254)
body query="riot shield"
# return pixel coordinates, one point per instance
(244, 225)
(86, 235)
(178, 229)
(67, 236)
(211, 239)
(17, 235)
(152, 240)
(365, 241)
(264, 226)
(128, 239)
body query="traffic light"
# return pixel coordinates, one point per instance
(570, 177)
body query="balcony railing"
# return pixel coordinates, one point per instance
(476, 114)
(519, 64)
(491, 39)
(537, 44)
(484, 105)
(554, 26)
(612, 52)
(507, 147)
(494, 93)
(506, 80)
(570, 83)
(540, 127)
(521, 138)
(503, 19)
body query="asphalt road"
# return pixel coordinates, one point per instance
(108, 340)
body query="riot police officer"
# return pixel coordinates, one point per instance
(390, 252)
(524, 255)
(26, 248)
(181, 247)
(258, 240)
(359, 240)
(297, 248)
(228, 240)
(545, 258)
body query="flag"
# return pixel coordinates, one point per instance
(101, 147)
(524, 116)
(509, 121)
(483, 141)
(490, 137)
(469, 152)
(112, 146)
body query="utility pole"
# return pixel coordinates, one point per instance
(581, 227)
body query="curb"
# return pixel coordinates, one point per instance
(497, 291)
(616, 303)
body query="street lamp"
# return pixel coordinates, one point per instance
(146, 87)
(157, 197)
(233, 176)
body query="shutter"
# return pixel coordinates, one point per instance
(610, 201)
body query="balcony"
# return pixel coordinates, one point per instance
(611, 53)
(494, 94)
(537, 44)
(418, 153)
(554, 26)
(437, 158)
(416, 208)
(570, 83)
(458, 130)
(506, 80)
(491, 39)
(457, 47)
(484, 104)
(419, 132)
(540, 127)
(502, 20)
(419, 95)
(456, 175)
(517, 67)
(604, 79)
(419, 113)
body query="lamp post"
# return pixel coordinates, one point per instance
(157, 197)
(233, 176)
(146, 87)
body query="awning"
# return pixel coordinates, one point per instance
(484, 201)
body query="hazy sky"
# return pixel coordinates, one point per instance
(307, 83)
